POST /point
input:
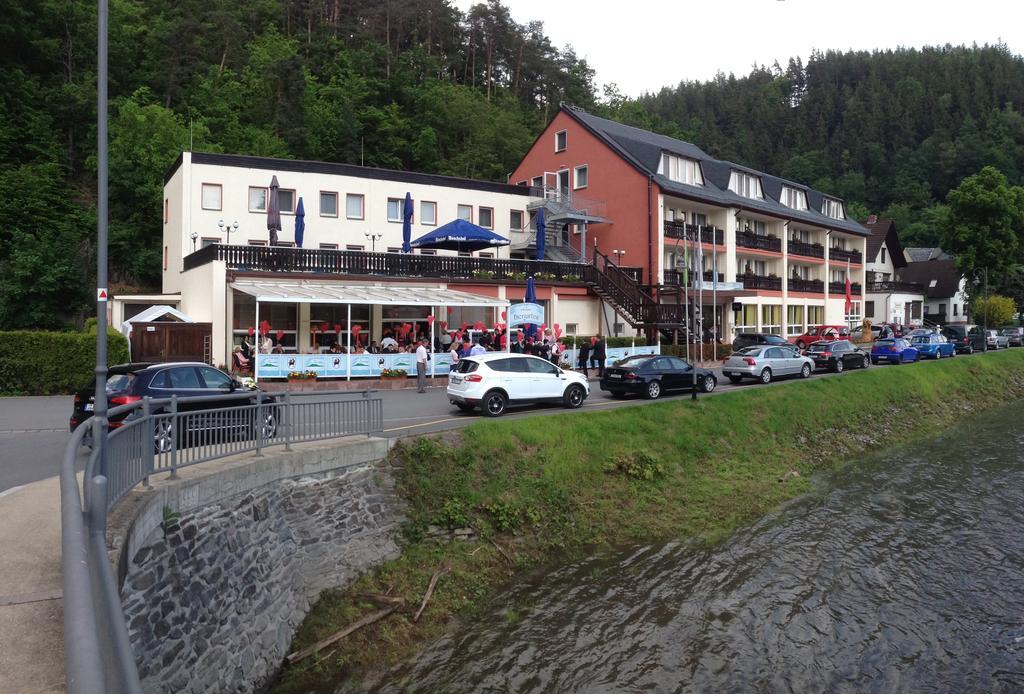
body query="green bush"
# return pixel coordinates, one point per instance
(52, 363)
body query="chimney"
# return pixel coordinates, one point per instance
(872, 218)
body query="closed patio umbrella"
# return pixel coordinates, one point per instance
(300, 224)
(407, 224)
(530, 329)
(540, 234)
(273, 211)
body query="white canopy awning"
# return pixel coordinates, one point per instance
(384, 295)
(155, 314)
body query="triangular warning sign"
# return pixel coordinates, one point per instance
(101, 294)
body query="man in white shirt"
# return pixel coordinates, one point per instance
(387, 342)
(421, 366)
(477, 349)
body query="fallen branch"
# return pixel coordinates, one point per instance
(382, 599)
(430, 591)
(500, 549)
(368, 619)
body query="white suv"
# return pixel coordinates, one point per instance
(495, 381)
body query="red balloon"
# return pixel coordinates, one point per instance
(280, 335)
(464, 326)
(450, 309)
(264, 327)
(444, 325)
(430, 319)
(356, 329)
(479, 325)
(504, 315)
(252, 331)
(542, 326)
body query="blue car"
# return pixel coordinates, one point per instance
(933, 346)
(894, 350)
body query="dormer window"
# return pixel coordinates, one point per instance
(833, 208)
(747, 185)
(680, 169)
(561, 138)
(794, 198)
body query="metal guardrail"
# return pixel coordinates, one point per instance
(162, 436)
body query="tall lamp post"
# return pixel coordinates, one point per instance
(984, 323)
(226, 229)
(194, 235)
(372, 237)
(618, 256)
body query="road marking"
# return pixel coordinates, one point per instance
(436, 421)
(25, 598)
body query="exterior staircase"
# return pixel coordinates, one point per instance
(620, 289)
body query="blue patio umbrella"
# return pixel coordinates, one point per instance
(530, 329)
(407, 224)
(460, 235)
(300, 223)
(540, 234)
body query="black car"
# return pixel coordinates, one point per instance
(652, 375)
(744, 340)
(128, 383)
(965, 338)
(838, 355)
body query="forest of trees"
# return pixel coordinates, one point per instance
(417, 84)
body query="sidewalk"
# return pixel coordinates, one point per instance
(31, 628)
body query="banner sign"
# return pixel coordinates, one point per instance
(524, 313)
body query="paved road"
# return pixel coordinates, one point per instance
(33, 430)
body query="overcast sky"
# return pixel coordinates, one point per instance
(643, 45)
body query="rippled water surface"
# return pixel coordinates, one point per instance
(905, 576)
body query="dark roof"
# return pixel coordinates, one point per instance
(643, 148)
(884, 231)
(326, 167)
(943, 272)
(920, 255)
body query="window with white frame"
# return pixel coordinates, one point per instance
(465, 212)
(428, 213)
(699, 219)
(515, 220)
(258, 242)
(212, 196)
(395, 209)
(486, 217)
(572, 328)
(747, 185)
(354, 206)
(538, 181)
(394, 249)
(580, 177)
(854, 315)
(329, 246)
(883, 255)
(801, 235)
(753, 226)
(354, 247)
(800, 272)
(561, 139)
(681, 169)
(839, 275)
(754, 267)
(794, 198)
(287, 200)
(209, 241)
(832, 208)
(328, 204)
(746, 319)
(771, 319)
(257, 199)
(815, 316)
(839, 242)
(794, 320)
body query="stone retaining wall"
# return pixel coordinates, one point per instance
(213, 604)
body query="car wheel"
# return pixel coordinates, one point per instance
(494, 404)
(708, 384)
(805, 372)
(573, 397)
(766, 376)
(735, 379)
(838, 366)
(866, 363)
(653, 391)
(874, 361)
(464, 406)
(269, 426)
(163, 435)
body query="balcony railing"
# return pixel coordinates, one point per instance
(810, 250)
(895, 286)
(840, 288)
(797, 284)
(675, 277)
(843, 255)
(759, 282)
(322, 261)
(708, 234)
(748, 239)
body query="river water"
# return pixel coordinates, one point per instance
(904, 573)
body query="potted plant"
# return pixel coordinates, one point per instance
(571, 278)
(483, 274)
(393, 374)
(544, 276)
(517, 275)
(301, 376)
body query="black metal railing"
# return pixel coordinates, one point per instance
(798, 284)
(843, 255)
(749, 239)
(676, 277)
(708, 234)
(896, 286)
(840, 288)
(810, 250)
(337, 262)
(760, 282)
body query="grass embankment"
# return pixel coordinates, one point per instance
(547, 488)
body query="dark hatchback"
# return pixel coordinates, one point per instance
(128, 383)
(838, 355)
(652, 375)
(744, 340)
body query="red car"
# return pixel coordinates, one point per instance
(822, 332)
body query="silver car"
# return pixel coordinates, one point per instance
(996, 340)
(1014, 336)
(767, 362)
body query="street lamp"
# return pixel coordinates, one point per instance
(618, 255)
(194, 235)
(226, 229)
(372, 237)
(974, 280)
